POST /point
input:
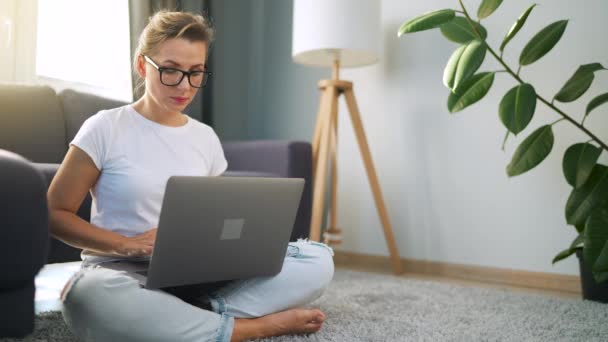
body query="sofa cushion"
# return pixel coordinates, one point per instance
(32, 123)
(77, 107)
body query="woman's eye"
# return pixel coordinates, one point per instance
(171, 71)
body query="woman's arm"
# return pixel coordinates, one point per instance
(76, 175)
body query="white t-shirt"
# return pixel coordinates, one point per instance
(136, 157)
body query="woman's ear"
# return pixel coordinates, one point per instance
(141, 66)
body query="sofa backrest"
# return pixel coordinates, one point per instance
(77, 107)
(38, 124)
(32, 123)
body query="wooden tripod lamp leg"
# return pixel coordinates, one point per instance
(316, 138)
(320, 172)
(373, 179)
(333, 235)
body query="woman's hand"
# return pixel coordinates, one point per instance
(138, 245)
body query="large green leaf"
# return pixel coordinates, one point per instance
(576, 244)
(578, 163)
(470, 91)
(579, 241)
(487, 7)
(596, 102)
(578, 84)
(583, 200)
(601, 264)
(580, 227)
(517, 107)
(542, 42)
(563, 255)
(596, 241)
(516, 27)
(459, 30)
(463, 63)
(449, 73)
(471, 60)
(427, 21)
(600, 277)
(532, 151)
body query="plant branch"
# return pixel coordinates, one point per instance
(516, 76)
(582, 128)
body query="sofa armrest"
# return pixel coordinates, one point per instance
(23, 241)
(291, 159)
(23, 220)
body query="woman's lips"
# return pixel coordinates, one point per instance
(179, 100)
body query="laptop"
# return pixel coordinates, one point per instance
(215, 229)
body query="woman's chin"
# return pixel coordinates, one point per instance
(177, 107)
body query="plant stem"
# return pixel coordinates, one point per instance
(516, 76)
(556, 121)
(504, 142)
(582, 128)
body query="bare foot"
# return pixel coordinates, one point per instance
(294, 321)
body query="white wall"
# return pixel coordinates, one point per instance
(443, 176)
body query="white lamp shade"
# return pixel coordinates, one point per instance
(326, 30)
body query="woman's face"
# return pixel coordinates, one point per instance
(177, 54)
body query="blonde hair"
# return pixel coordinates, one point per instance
(165, 25)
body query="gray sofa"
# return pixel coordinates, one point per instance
(36, 125)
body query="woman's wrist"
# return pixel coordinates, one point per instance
(118, 245)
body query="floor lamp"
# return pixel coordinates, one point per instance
(338, 33)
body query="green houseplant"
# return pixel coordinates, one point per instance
(587, 206)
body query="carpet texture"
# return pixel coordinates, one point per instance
(374, 307)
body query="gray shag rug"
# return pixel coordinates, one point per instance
(364, 306)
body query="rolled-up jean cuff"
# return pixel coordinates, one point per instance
(310, 242)
(224, 333)
(218, 304)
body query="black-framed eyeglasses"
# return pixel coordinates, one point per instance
(172, 77)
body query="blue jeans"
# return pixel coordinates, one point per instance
(100, 304)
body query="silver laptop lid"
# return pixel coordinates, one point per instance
(223, 228)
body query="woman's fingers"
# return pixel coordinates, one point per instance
(139, 245)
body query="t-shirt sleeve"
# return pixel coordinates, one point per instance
(219, 163)
(92, 138)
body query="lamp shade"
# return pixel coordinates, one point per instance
(329, 30)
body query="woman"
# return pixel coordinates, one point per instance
(124, 156)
